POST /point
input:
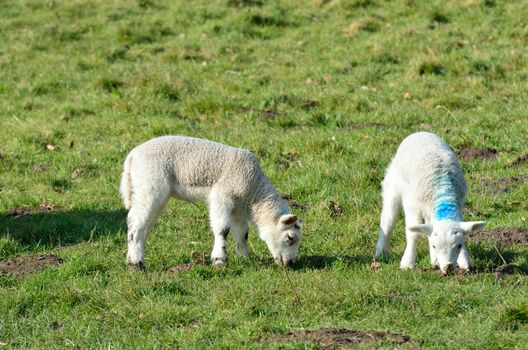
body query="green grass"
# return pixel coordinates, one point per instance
(316, 89)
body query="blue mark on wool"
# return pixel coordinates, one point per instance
(445, 198)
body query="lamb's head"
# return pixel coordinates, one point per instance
(283, 239)
(446, 238)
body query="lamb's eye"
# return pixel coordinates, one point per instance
(434, 247)
(459, 246)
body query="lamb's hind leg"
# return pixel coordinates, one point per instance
(220, 208)
(389, 216)
(145, 209)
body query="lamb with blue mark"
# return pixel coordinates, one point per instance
(426, 179)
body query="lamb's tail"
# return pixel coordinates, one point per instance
(126, 184)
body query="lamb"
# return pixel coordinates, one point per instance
(425, 177)
(231, 181)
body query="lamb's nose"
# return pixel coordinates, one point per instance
(450, 268)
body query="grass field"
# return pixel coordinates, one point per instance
(322, 92)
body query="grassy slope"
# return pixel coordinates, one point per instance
(109, 75)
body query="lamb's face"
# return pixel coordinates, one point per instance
(283, 242)
(446, 239)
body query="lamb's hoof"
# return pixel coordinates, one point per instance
(218, 262)
(137, 266)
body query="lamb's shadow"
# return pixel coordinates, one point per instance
(487, 258)
(58, 228)
(319, 262)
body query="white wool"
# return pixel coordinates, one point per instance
(229, 179)
(426, 179)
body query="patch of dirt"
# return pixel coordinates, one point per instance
(340, 338)
(18, 212)
(521, 160)
(509, 269)
(502, 236)
(475, 153)
(336, 210)
(25, 265)
(504, 185)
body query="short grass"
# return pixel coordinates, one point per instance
(322, 91)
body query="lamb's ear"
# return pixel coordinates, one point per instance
(424, 229)
(287, 220)
(472, 226)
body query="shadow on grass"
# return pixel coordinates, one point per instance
(317, 262)
(487, 258)
(57, 228)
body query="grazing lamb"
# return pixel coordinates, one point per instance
(425, 178)
(229, 179)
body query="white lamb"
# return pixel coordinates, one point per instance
(229, 179)
(425, 178)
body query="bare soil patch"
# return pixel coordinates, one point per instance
(476, 153)
(502, 236)
(17, 212)
(521, 160)
(340, 338)
(504, 185)
(28, 264)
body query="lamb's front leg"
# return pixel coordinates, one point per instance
(220, 209)
(389, 216)
(412, 217)
(219, 253)
(464, 261)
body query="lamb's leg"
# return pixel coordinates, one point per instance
(220, 208)
(145, 209)
(240, 229)
(389, 216)
(412, 217)
(464, 261)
